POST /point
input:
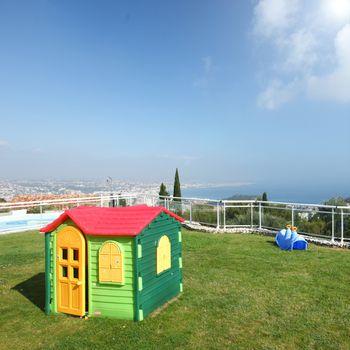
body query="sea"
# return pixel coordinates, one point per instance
(297, 194)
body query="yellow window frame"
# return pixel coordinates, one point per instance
(111, 263)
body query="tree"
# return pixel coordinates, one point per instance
(162, 191)
(264, 197)
(338, 201)
(3, 200)
(177, 186)
(122, 201)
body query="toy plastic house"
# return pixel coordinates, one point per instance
(114, 262)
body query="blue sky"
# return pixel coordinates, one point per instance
(228, 91)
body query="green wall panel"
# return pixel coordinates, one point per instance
(158, 289)
(52, 273)
(48, 256)
(110, 299)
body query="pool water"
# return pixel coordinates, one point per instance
(25, 222)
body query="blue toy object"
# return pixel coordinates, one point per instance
(288, 239)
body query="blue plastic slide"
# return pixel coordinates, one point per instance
(288, 239)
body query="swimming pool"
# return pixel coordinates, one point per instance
(16, 223)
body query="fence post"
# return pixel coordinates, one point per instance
(332, 224)
(260, 218)
(251, 215)
(341, 226)
(41, 207)
(292, 215)
(217, 215)
(190, 212)
(224, 216)
(101, 200)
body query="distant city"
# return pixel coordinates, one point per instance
(27, 190)
(10, 189)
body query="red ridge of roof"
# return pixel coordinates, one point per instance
(126, 221)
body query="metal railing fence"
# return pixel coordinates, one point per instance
(315, 220)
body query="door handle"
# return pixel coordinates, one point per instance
(79, 283)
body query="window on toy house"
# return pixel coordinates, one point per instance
(111, 263)
(163, 254)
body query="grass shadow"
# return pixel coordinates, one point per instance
(33, 289)
(272, 243)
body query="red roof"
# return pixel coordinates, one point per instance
(127, 221)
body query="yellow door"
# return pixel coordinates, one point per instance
(70, 271)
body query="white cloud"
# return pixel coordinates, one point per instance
(277, 93)
(336, 85)
(310, 44)
(342, 46)
(336, 10)
(273, 16)
(300, 51)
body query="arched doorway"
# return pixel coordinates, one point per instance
(70, 271)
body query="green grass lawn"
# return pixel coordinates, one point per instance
(240, 292)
